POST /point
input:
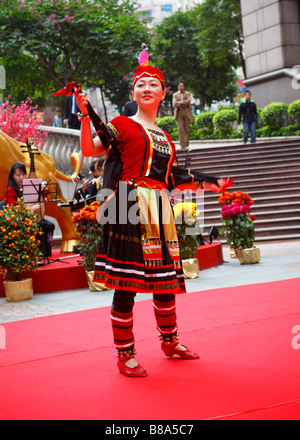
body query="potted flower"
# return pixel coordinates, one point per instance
(185, 219)
(90, 232)
(19, 250)
(238, 226)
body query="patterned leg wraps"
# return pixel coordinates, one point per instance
(165, 314)
(122, 324)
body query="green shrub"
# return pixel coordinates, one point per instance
(235, 134)
(167, 123)
(194, 134)
(275, 115)
(259, 123)
(204, 122)
(294, 111)
(289, 130)
(224, 122)
(174, 135)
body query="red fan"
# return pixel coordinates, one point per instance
(101, 129)
(69, 89)
(229, 182)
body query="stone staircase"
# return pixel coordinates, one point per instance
(268, 171)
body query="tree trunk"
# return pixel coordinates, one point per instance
(104, 106)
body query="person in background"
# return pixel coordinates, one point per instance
(86, 190)
(130, 108)
(183, 114)
(70, 114)
(57, 120)
(97, 183)
(248, 112)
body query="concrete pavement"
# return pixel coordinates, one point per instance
(279, 261)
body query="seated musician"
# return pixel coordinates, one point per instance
(14, 191)
(91, 187)
(98, 181)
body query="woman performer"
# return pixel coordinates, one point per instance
(141, 256)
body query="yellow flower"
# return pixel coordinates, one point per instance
(186, 212)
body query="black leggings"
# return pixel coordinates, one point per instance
(123, 302)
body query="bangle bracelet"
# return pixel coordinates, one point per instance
(82, 117)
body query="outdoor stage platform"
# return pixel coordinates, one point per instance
(65, 273)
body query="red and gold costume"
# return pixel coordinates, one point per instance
(142, 257)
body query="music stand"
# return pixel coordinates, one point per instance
(32, 190)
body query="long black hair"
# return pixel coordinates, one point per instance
(16, 166)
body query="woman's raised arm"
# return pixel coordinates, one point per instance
(89, 146)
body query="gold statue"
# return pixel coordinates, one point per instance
(10, 152)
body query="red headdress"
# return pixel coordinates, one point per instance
(145, 70)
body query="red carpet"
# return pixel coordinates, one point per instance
(67, 274)
(64, 366)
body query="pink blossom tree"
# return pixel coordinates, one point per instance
(22, 122)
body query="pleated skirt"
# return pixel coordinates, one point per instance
(120, 264)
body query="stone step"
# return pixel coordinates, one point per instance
(268, 215)
(276, 177)
(195, 162)
(274, 237)
(265, 231)
(268, 171)
(254, 175)
(266, 184)
(230, 148)
(295, 220)
(233, 149)
(214, 209)
(263, 238)
(251, 169)
(280, 198)
(261, 192)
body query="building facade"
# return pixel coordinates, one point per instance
(272, 49)
(159, 9)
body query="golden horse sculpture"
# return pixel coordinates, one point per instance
(11, 152)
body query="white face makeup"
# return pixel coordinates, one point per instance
(148, 91)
